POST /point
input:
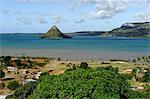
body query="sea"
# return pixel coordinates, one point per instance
(78, 46)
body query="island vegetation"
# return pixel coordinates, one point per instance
(139, 29)
(54, 33)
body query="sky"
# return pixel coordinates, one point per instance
(38, 16)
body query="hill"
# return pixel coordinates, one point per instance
(54, 33)
(141, 29)
(86, 33)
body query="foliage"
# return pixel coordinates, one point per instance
(84, 65)
(146, 77)
(13, 85)
(25, 65)
(2, 74)
(18, 62)
(2, 85)
(24, 91)
(137, 95)
(6, 60)
(82, 83)
(99, 83)
(41, 64)
(137, 30)
(147, 88)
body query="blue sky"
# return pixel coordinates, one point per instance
(37, 16)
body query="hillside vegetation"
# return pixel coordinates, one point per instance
(131, 30)
(79, 83)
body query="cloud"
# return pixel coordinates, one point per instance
(142, 16)
(56, 19)
(79, 21)
(24, 20)
(39, 1)
(42, 20)
(6, 12)
(24, 1)
(17, 13)
(105, 9)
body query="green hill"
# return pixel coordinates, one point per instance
(54, 33)
(131, 30)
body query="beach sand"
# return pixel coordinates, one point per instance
(72, 54)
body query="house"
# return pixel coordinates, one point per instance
(12, 69)
(28, 80)
(1, 62)
(128, 71)
(37, 76)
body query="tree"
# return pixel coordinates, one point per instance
(18, 62)
(82, 83)
(134, 60)
(2, 74)
(84, 65)
(146, 77)
(2, 85)
(6, 60)
(13, 85)
(99, 83)
(24, 91)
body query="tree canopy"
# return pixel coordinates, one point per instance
(82, 83)
(99, 83)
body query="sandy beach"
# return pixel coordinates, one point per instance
(72, 54)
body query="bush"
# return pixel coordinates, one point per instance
(2, 74)
(24, 91)
(13, 85)
(84, 65)
(2, 85)
(6, 60)
(146, 77)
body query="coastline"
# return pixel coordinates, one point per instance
(73, 54)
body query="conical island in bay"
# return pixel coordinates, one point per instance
(55, 33)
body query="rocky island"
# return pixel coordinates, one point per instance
(54, 33)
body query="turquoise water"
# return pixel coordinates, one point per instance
(31, 41)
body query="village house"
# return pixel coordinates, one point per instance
(12, 69)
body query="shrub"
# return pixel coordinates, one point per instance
(24, 91)
(2, 85)
(146, 77)
(2, 74)
(6, 60)
(13, 85)
(84, 65)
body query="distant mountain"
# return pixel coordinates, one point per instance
(131, 30)
(54, 33)
(86, 33)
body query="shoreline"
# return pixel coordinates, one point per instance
(73, 54)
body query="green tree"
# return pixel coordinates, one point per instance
(82, 83)
(6, 60)
(99, 83)
(2, 74)
(18, 62)
(24, 91)
(13, 85)
(146, 77)
(84, 65)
